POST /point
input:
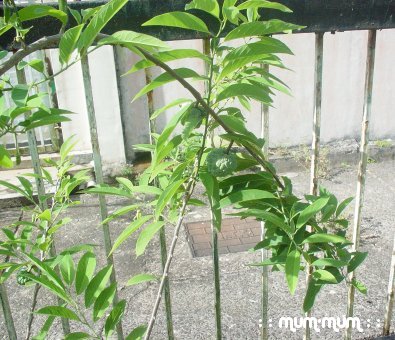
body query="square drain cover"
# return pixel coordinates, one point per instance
(236, 236)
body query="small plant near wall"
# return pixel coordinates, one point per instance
(183, 157)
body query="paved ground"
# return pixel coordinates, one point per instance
(191, 277)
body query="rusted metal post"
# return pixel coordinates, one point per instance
(162, 231)
(363, 152)
(264, 252)
(98, 171)
(315, 145)
(390, 296)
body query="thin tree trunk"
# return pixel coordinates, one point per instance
(390, 296)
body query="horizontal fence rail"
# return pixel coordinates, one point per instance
(316, 15)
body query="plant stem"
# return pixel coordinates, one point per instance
(162, 231)
(315, 147)
(214, 232)
(362, 166)
(99, 173)
(32, 308)
(8, 319)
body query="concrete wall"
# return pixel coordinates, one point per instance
(291, 117)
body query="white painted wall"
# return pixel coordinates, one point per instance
(291, 117)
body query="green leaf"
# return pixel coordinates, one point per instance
(5, 159)
(292, 268)
(140, 278)
(263, 4)
(356, 260)
(36, 64)
(68, 43)
(67, 269)
(165, 78)
(329, 262)
(312, 292)
(120, 212)
(325, 238)
(166, 196)
(45, 329)
(85, 269)
(146, 235)
(106, 190)
(245, 195)
(97, 284)
(130, 229)
(59, 311)
(19, 94)
(132, 39)
(260, 28)
(247, 90)
(77, 336)
(208, 6)
(178, 19)
(137, 333)
(42, 280)
(359, 286)
(267, 217)
(167, 56)
(212, 189)
(47, 270)
(103, 301)
(324, 275)
(311, 211)
(99, 20)
(231, 13)
(114, 317)
(126, 183)
(343, 205)
(168, 106)
(38, 11)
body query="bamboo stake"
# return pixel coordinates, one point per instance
(214, 231)
(35, 158)
(8, 319)
(162, 231)
(264, 252)
(390, 296)
(98, 172)
(363, 151)
(315, 146)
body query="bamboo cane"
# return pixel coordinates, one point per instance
(390, 296)
(315, 145)
(162, 231)
(363, 151)
(98, 171)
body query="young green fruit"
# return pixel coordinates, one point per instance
(221, 164)
(20, 278)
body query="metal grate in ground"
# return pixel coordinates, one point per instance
(236, 236)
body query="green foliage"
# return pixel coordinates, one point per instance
(221, 163)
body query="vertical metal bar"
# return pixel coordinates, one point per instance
(315, 145)
(363, 152)
(214, 232)
(35, 158)
(8, 319)
(264, 252)
(98, 171)
(390, 296)
(162, 231)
